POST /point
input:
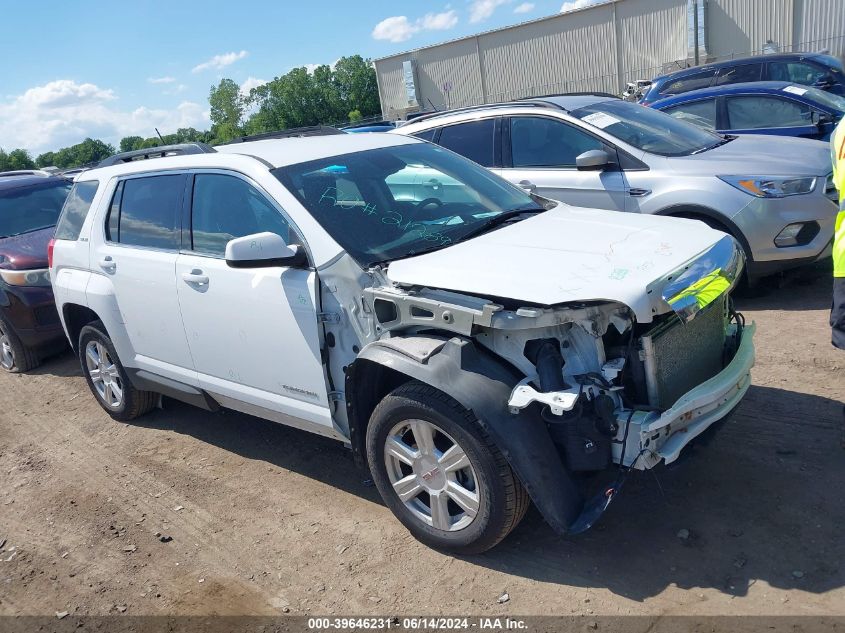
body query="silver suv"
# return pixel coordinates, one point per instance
(773, 194)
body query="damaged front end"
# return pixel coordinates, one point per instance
(578, 387)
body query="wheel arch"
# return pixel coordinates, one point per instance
(76, 317)
(710, 217)
(481, 383)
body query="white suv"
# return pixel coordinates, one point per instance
(475, 349)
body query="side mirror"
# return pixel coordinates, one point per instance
(824, 82)
(820, 118)
(592, 160)
(262, 250)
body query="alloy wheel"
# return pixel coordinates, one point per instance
(432, 475)
(7, 359)
(104, 374)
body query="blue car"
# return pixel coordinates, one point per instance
(762, 107)
(818, 70)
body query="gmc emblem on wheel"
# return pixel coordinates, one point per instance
(431, 473)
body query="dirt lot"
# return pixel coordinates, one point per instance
(265, 519)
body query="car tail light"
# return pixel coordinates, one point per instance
(50, 252)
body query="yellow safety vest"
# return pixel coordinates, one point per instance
(837, 152)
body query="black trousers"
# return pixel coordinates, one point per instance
(837, 313)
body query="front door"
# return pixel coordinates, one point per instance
(139, 257)
(540, 157)
(253, 333)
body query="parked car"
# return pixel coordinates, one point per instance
(30, 203)
(818, 70)
(381, 126)
(774, 195)
(766, 107)
(472, 354)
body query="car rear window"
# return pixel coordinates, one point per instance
(76, 209)
(31, 207)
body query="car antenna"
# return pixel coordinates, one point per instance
(159, 134)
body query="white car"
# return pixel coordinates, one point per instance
(474, 350)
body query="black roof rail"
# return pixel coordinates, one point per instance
(182, 149)
(585, 93)
(309, 130)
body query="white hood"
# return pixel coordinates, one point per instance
(564, 255)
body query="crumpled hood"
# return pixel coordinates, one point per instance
(759, 155)
(26, 251)
(564, 255)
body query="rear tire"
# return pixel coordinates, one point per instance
(107, 378)
(15, 357)
(459, 492)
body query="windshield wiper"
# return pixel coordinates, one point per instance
(725, 139)
(499, 220)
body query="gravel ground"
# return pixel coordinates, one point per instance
(264, 519)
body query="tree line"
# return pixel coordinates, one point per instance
(326, 95)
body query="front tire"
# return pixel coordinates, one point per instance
(15, 357)
(439, 472)
(107, 378)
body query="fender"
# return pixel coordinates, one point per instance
(483, 384)
(687, 210)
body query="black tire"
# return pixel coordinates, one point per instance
(502, 501)
(23, 358)
(134, 402)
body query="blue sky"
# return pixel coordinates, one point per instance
(110, 69)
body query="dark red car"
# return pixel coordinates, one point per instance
(29, 324)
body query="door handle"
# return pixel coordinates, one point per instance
(638, 193)
(195, 277)
(107, 264)
(528, 186)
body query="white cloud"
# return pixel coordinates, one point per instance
(525, 7)
(572, 5)
(63, 112)
(250, 83)
(480, 10)
(219, 62)
(399, 28)
(161, 80)
(439, 21)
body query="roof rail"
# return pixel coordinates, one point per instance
(309, 130)
(25, 172)
(483, 106)
(181, 149)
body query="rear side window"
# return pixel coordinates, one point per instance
(739, 74)
(145, 212)
(701, 113)
(426, 135)
(796, 72)
(543, 142)
(690, 82)
(226, 207)
(76, 209)
(475, 140)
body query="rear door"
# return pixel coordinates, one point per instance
(253, 332)
(138, 255)
(539, 153)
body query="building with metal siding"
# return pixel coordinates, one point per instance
(601, 48)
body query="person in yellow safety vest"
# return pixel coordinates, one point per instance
(837, 313)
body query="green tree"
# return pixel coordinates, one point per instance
(47, 159)
(130, 143)
(19, 159)
(227, 110)
(356, 82)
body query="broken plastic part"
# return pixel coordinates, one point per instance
(557, 401)
(610, 370)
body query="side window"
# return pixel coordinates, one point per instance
(690, 82)
(739, 74)
(748, 113)
(701, 113)
(796, 72)
(76, 209)
(544, 142)
(475, 140)
(225, 207)
(144, 212)
(426, 135)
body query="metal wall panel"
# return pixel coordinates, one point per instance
(738, 27)
(650, 33)
(391, 86)
(820, 24)
(448, 75)
(554, 55)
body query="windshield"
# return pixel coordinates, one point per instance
(826, 99)
(30, 208)
(393, 202)
(647, 129)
